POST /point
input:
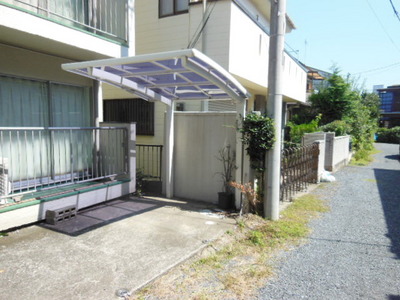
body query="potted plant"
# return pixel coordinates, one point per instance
(226, 197)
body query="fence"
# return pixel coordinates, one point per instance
(299, 168)
(47, 157)
(149, 161)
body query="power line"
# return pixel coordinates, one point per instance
(395, 11)
(379, 69)
(383, 27)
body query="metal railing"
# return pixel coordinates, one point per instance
(32, 158)
(299, 168)
(107, 18)
(149, 161)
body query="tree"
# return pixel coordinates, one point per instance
(345, 109)
(373, 103)
(335, 101)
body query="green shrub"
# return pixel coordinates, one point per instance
(391, 136)
(297, 131)
(258, 137)
(339, 127)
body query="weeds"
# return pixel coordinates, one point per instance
(241, 263)
(363, 157)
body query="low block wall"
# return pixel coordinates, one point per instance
(340, 153)
(336, 148)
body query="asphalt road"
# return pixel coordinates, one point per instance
(354, 250)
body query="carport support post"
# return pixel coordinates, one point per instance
(274, 108)
(169, 150)
(240, 114)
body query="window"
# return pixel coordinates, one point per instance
(35, 103)
(131, 110)
(386, 101)
(31, 103)
(172, 7)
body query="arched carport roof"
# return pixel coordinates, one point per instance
(166, 77)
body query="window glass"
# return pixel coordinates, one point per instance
(166, 7)
(70, 106)
(23, 103)
(182, 5)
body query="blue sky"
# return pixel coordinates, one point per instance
(361, 37)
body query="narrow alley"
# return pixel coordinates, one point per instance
(354, 250)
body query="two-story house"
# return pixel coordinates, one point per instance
(235, 34)
(66, 147)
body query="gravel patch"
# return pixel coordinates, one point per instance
(354, 250)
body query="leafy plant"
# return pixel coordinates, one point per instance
(259, 137)
(339, 127)
(297, 131)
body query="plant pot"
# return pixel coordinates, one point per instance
(226, 200)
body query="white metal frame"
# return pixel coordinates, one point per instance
(212, 83)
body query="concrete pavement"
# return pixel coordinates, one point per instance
(93, 262)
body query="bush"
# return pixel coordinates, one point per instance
(258, 137)
(391, 136)
(297, 131)
(339, 127)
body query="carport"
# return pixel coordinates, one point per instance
(167, 77)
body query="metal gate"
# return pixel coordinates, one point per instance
(299, 168)
(149, 164)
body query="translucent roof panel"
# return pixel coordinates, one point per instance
(167, 76)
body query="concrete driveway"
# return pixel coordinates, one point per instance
(125, 244)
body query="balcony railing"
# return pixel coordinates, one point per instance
(107, 18)
(32, 158)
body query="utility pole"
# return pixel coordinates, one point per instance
(204, 103)
(274, 107)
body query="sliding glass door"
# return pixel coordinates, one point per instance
(40, 157)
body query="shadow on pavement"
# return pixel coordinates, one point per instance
(112, 211)
(388, 182)
(394, 157)
(101, 215)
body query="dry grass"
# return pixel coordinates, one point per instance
(238, 264)
(363, 158)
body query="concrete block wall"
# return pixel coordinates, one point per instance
(340, 155)
(336, 149)
(321, 158)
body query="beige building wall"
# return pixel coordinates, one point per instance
(156, 34)
(34, 65)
